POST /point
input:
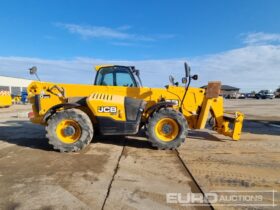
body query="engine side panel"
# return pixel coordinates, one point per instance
(107, 105)
(116, 114)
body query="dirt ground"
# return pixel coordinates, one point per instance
(127, 173)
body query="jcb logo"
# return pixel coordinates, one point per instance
(107, 109)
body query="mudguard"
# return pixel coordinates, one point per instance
(159, 105)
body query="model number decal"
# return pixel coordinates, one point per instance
(107, 109)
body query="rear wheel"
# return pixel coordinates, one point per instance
(167, 129)
(69, 130)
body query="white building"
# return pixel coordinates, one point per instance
(14, 85)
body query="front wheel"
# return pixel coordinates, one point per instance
(69, 130)
(167, 129)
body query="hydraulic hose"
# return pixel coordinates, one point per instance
(186, 90)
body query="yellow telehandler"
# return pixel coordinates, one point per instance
(117, 104)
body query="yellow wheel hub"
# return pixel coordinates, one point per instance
(68, 131)
(167, 129)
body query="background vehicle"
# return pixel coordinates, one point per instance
(265, 94)
(232, 96)
(16, 99)
(117, 104)
(23, 97)
(5, 99)
(250, 95)
(242, 96)
(277, 93)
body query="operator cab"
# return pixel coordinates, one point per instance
(124, 76)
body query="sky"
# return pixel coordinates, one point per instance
(236, 42)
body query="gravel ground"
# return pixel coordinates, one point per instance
(126, 173)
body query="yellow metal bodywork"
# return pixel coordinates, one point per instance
(5, 99)
(151, 95)
(222, 125)
(196, 106)
(97, 100)
(97, 68)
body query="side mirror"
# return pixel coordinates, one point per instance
(187, 70)
(195, 77)
(33, 70)
(171, 79)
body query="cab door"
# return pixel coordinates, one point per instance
(119, 80)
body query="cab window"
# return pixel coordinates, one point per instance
(124, 79)
(105, 77)
(115, 76)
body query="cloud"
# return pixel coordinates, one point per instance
(253, 67)
(261, 38)
(249, 68)
(120, 33)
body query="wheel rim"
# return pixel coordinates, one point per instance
(68, 131)
(167, 129)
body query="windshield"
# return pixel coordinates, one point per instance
(115, 76)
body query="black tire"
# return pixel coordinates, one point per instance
(85, 125)
(167, 113)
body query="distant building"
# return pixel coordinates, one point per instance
(228, 91)
(14, 85)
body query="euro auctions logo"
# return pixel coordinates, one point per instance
(224, 198)
(191, 198)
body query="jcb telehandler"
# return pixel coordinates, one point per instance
(117, 104)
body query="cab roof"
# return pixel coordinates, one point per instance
(98, 67)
